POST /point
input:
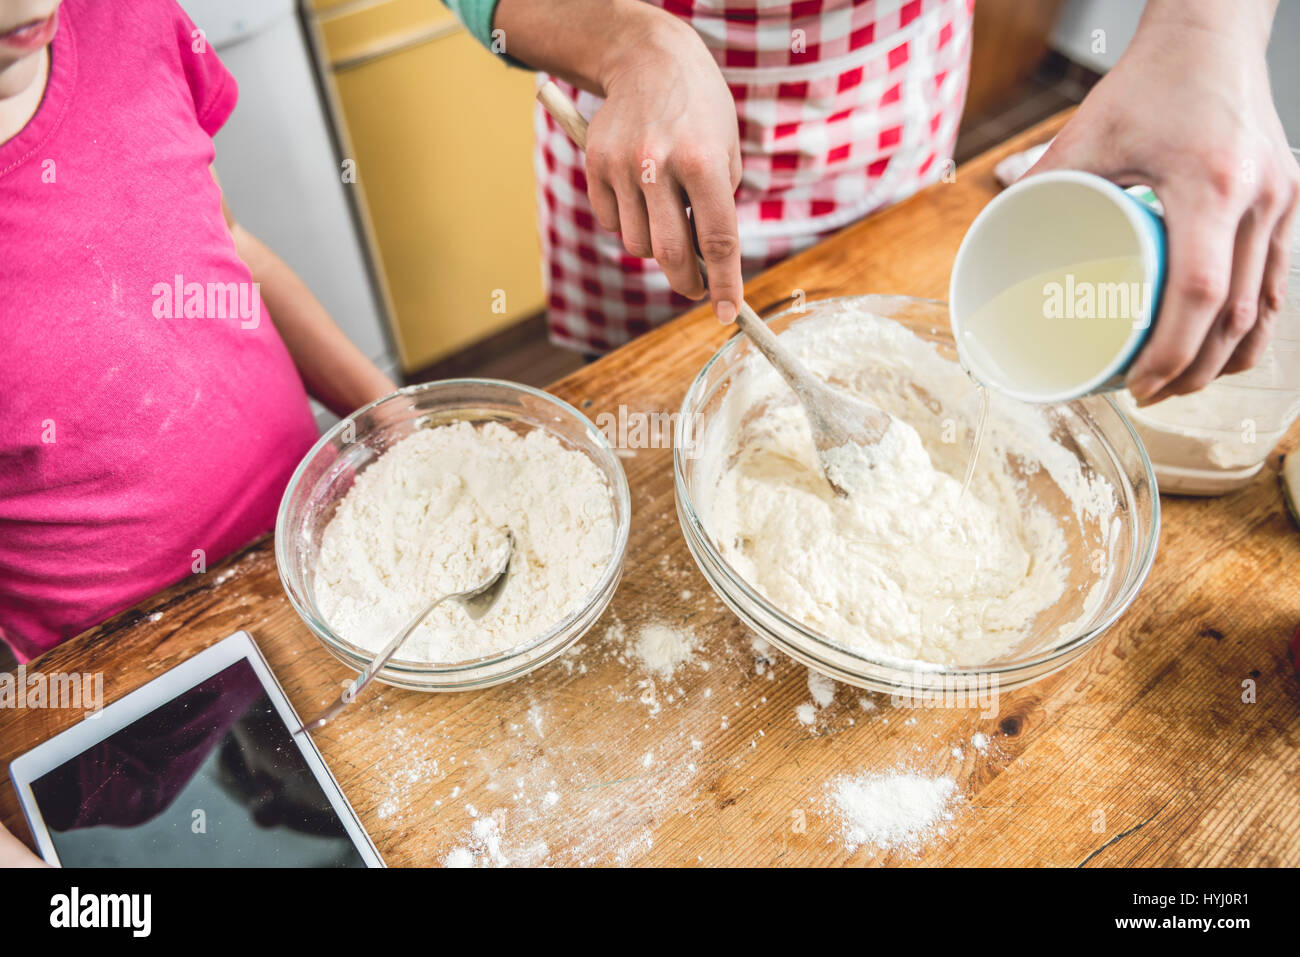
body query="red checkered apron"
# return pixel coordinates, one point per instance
(844, 106)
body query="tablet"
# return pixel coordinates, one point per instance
(198, 768)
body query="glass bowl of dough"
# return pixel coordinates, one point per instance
(914, 582)
(411, 497)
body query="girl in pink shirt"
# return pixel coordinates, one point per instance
(155, 358)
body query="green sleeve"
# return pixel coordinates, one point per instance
(477, 17)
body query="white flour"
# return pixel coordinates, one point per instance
(427, 518)
(661, 648)
(821, 688)
(1204, 430)
(485, 847)
(905, 568)
(891, 810)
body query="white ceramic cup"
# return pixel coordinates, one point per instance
(1048, 223)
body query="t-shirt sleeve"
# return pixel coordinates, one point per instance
(213, 88)
(477, 16)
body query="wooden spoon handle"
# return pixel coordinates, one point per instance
(564, 112)
(752, 325)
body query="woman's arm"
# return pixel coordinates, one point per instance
(1188, 111)
(665, 136)
(335, 372)
(14, 853)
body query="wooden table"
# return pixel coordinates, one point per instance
(1143, 752)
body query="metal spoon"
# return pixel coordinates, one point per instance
(476, 601)
(837, 418)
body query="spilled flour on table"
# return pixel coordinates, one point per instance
(651, 719)
(764, 658)
(484, 847)
(894, 809)
(403, 771)
(562, 792)
(822, 690)
(661, 648)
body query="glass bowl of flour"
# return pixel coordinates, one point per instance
(409, 498)
(911, 583)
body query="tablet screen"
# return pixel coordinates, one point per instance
(211, 778)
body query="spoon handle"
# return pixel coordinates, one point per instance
(752, 325)
(368, 673)
(564, 112)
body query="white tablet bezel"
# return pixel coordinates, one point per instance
(47, 756)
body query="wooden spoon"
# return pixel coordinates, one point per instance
(837, 418)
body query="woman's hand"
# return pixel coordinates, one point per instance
(1187, 111)
(664, 137)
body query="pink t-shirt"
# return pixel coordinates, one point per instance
(140, 431)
